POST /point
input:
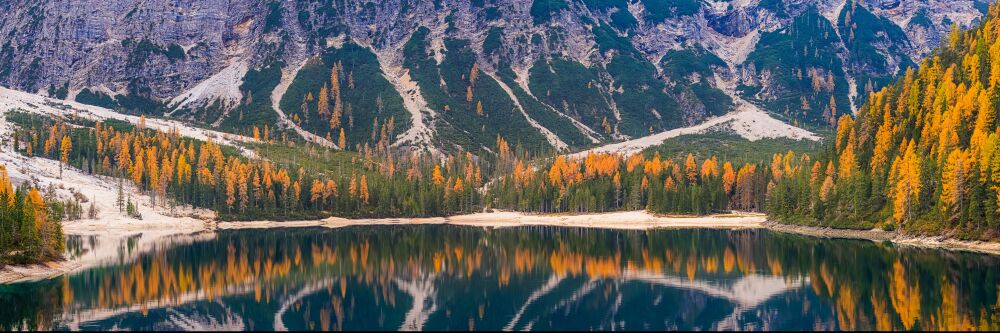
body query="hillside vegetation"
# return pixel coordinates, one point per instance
(922, 155)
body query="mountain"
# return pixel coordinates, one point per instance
(452, 75)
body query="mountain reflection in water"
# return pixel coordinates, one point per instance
(461, 278)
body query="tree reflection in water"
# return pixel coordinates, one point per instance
(459, 278)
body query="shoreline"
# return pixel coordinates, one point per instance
(144, 236)
(152, 235)
(896, 238)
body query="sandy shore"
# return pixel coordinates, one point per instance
(877, 235)
(633, 220)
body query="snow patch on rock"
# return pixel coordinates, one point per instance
(832, 13)
(420, 135)
(732, 50)
(14, 100)
(747, 121)
(223, 87)
(337, 41)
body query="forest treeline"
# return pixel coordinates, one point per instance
(173, 169)
(923, 154)
(609, 182)
(29, 223)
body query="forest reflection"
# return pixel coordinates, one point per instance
(444, 277)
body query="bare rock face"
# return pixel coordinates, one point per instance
(165, 46)
(160, 49)
(739, 22)
(158, 46)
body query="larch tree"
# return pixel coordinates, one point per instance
(64, 149)
(691, 169)
(728, 177)
(363, 189)
(323, 102)
(342, 140)
(955, 182)
(908, 185)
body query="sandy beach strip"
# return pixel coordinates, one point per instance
(631, 220)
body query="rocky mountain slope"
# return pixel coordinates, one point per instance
(455, 74)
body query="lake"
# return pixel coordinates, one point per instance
(438, 277)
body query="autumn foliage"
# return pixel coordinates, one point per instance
(175, 170)
(29, 229)
(609, 182)
(923, 153)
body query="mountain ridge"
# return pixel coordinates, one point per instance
(648, 66)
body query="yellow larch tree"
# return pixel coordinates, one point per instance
(323, 102)
(138, 167)
(64, 149)
(6, 187)
(364, 195)
(907, 184)
(883, 145)
(955, 179)
(728, 177)
(847, 162)
(436, 175)
(342, 140)
(691, 169)
(709, 168)
(330, 189)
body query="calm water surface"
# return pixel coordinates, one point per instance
(537, 278)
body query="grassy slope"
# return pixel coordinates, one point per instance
(369, 86)
(807, 44)
(445, 86)
(729, 147)
(681, 64)
(572, 89)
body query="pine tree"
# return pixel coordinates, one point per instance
(120, 202)
(92, 211)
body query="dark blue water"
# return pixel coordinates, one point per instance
(462, 278)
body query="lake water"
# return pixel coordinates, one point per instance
(532, 278)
